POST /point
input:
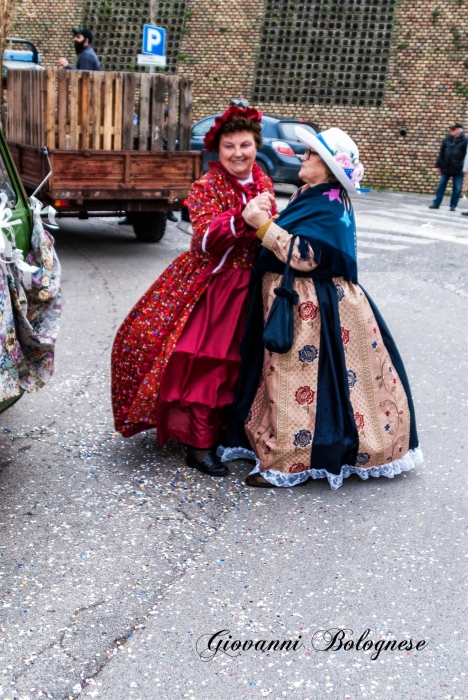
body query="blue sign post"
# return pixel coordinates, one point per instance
(154, 47)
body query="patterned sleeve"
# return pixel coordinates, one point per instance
(278, 241)
(215, 229)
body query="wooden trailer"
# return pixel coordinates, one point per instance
(103, 142)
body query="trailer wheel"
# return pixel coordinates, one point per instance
(149, 227)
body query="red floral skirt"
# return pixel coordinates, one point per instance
(197, 388)
(175, 359)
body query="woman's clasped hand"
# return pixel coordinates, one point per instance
(257, 212)
(322, 389)
(175, 359)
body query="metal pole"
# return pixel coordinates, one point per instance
(152, 10)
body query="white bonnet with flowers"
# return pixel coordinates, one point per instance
(339, 152)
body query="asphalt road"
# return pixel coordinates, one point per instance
(116, 558)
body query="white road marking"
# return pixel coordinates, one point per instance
(393, 237)
(382, 246)
(370, 223)
(448, 229)
(452, 288)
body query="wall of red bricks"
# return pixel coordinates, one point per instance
(427, 86)
(427, 77)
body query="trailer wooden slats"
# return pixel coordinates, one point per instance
(50, 107)
(62, 95)
(11, 126)
(117, 123)
(110, 111)
(35, 126)
(144, 115)
(111, 176)
(73, 111)
(42, 78)
(25, 99)
(104, 171)
(108, 101)
(185, 114)
(128, 105)
(83, 106)
(157, 112)
(95, 110)
(173, 104)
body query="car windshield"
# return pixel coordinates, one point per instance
(201, 128)
(6, 185)
(287, 130)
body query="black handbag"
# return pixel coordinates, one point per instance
(278, 335)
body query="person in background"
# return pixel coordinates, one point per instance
(87, 59)
(465, 181)
(450, 165)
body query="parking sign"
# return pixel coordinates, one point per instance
(154, 40)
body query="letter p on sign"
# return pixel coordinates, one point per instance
(154, 40)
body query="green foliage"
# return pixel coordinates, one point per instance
(457, 39)
(461, 89)
(435, 14)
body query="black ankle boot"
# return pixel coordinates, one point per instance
(211, 465)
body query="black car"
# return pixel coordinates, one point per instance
(278, 154)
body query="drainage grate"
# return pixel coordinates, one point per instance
(117, 25)
(324, 52)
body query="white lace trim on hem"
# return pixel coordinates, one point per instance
(410, 460)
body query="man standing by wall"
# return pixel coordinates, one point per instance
(87, 59)
(450, 165)
(465, 175)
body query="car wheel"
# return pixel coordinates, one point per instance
(149, 227)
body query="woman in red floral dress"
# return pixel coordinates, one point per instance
(175, 359)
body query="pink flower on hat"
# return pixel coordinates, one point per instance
(353, 169)
(344, 160)
(358, 173)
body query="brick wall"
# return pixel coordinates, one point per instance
(48, 24)
(219, 51)
(426, 89)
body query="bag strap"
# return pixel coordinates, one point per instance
(288, 278)
(286, 288)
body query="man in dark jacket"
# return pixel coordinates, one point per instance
(450, 165)
(87, 59)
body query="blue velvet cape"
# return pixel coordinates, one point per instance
(323, 217)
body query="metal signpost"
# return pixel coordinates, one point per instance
(154, 47)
